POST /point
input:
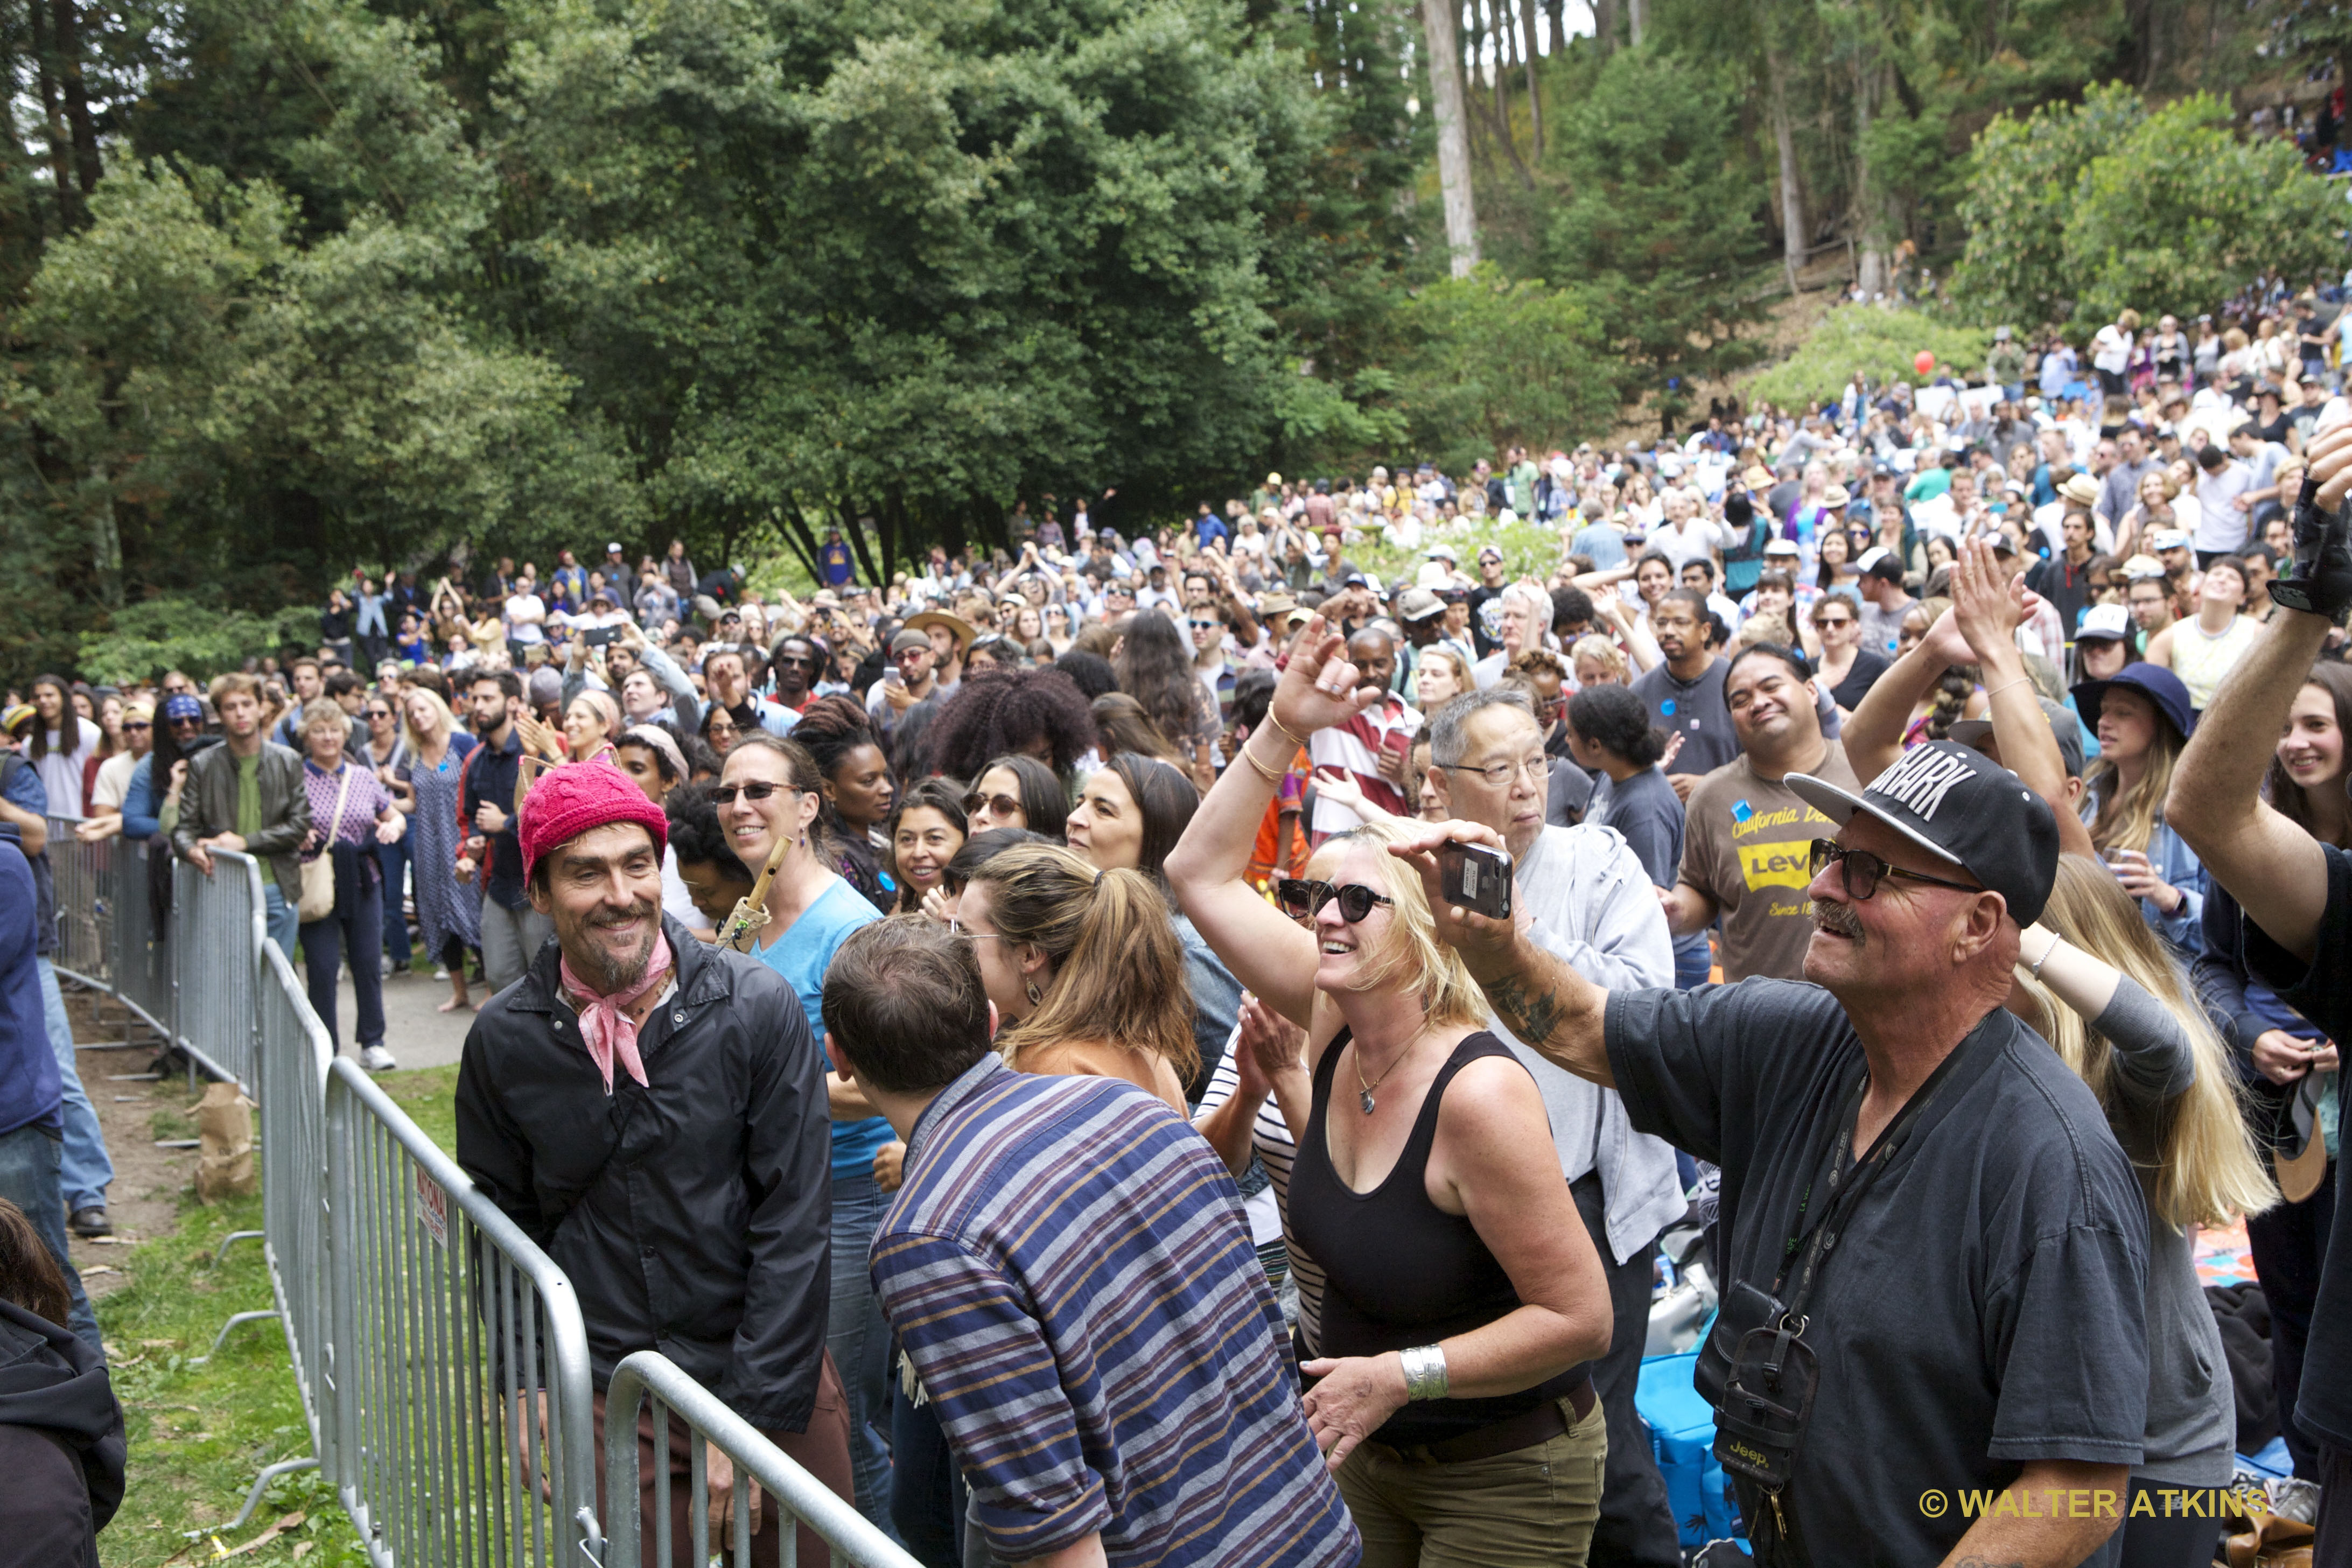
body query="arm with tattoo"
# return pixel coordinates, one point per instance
(1548, 1004)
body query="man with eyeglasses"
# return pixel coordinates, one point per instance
(1205, 619)
(1590, 904)
(1747, 836)
(1924, 1209)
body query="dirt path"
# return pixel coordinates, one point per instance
(144, 1200)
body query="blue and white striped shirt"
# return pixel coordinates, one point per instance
(1069, 1269)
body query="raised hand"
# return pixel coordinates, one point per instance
(1985, 605)
(1318, 688)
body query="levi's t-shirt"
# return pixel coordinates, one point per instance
(1983, 1305)
(1748, 844)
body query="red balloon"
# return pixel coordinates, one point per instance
(1923, 362)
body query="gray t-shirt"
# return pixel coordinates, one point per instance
(1694, 710)
(1982, 1308)
(1645, 809)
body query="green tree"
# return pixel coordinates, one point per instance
(2024, 181)
(1661, 230)
(1485, 361)
(2181, 213)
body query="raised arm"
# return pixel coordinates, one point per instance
(1267, 954)
(1872, 738)
(2275, 869)
(1987, 610)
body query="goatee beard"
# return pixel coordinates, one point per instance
(614, 973)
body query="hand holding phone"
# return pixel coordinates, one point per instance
(1474, 877)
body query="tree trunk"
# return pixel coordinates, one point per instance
(106, 540)
(1637, 19)
(1535, 94)
(1554, 12)
(53, 124)
(1445, 95)
(1792, 194)
(1604, 26)
(1869, 229)
(67, 41)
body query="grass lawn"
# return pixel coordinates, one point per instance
(200, 1430)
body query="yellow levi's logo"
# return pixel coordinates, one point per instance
(1784, 865)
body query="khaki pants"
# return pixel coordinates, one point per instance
(1532, 1509)
(823, 1451)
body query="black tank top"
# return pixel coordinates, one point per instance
(1400, 1271)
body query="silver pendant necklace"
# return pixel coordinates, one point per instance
(1364, 1090)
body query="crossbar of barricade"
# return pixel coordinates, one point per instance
(441, 1356)
(649, 1379)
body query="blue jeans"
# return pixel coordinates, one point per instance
(323, 945)
(86, 1170)
(281, 920)
(393, 858)
(927, 1494)
(28, 1178)
(860, 1342)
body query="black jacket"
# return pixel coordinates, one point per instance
(694, 1216)
(61, 1444)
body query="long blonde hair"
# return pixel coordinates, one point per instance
(1118, 971)
(2207, 1171)
(1410, 950)
(2127, 819)
(445, 723)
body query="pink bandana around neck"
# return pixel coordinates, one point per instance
(604, 1023)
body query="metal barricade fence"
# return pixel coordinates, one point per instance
(85, 881)
(649, 1376)
(290, 1081)
(143, 950)
(217, 930)
(461, 1397)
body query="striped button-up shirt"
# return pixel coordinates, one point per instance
(1068, 1268)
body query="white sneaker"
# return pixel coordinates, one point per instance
(375, 1059)
(387, 966)
(440, 974)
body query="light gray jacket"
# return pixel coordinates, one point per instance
(1594, 909)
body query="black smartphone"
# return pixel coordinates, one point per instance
(1476, 879)
(601, 637)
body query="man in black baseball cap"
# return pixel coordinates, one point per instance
(1923, 1208)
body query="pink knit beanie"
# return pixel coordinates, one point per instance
(569, 801)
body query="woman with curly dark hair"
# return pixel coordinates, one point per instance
(1154, 664)
(857, 791)
(1038, 713)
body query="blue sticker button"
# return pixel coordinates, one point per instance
(1668, 708)
(1741, 811)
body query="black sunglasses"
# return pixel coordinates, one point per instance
(1863, 869)
(1301, 899)
(137, 724)
(724, 794)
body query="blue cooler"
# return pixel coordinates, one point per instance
(1682, 1438)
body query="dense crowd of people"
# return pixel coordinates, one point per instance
(1924, 824)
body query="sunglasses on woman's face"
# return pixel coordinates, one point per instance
(137, 724)
(996, 804)
(1301, 900)
(724, 794)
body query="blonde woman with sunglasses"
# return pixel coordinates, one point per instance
(1464, 1296)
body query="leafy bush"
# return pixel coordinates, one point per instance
(1488, 361)
(2087, 208)
(144, 640)
(1880, 342)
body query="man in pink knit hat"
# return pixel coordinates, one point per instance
(652, 1112)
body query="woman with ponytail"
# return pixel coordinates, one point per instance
(2103, 988)
(1084, 967)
